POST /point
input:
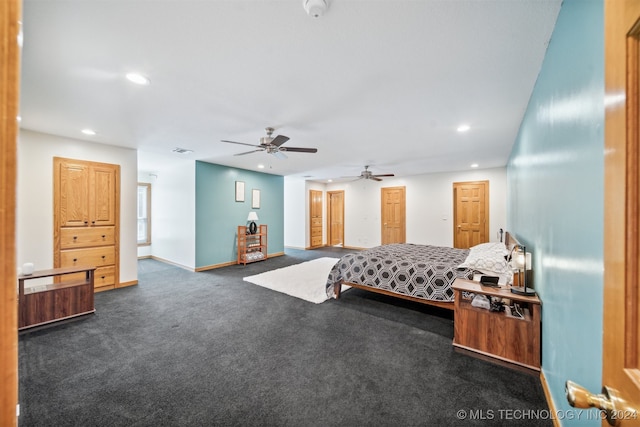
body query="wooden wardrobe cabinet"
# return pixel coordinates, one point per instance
(315, 217)
(86, 218)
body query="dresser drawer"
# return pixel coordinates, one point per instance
(316, 222)
(78, 237)
(316, 241)
(316, 232)
(104, 276)
(98, 257)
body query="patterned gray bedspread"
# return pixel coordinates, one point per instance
(420, 271)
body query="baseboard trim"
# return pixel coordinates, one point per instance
(550, 402)
(144, 257)
(214, 266)
(227, 264)
(125, 284)
(166, 261)
(356, 248)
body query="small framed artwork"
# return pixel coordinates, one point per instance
(255, 199)
(239, 191)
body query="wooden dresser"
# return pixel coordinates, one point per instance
(86, 218)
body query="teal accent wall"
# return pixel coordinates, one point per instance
(218, 214)
(555, 187)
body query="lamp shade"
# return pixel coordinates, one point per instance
(252, 216)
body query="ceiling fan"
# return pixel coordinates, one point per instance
(273, 145)
(366, 174)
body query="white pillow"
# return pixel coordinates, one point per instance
(488, 257)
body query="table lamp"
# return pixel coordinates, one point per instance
(253, 228)
(522, 261)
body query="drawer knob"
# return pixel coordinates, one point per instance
(75, 237)
(104, 256)
(75, 259)
(103, 236)
(86, 222)
(102, 277)
(93, 222)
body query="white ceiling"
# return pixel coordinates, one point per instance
(372, 82)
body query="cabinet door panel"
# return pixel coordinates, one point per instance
(73, 197)
(102, 201)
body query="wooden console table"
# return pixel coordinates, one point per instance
(42, 304)
(497, 334)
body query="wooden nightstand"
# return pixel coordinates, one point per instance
(497, 334)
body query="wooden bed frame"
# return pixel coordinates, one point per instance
(509, 241)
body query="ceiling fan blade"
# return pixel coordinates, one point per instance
(279, 140)
(241, 143)
(374, 178)
(279, 154)
(386, 174)
(247, 152)
(299, 150)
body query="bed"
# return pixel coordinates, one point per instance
(421, 273)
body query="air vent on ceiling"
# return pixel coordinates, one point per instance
(182, 150)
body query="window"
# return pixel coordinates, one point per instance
(144, 214)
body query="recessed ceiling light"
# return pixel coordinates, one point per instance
(138, 79)
(19, 118)
(474, 165)
(182, 150)
(260, 166)
(329, 180)
(90, 132)
(463, 128)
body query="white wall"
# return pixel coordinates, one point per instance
(429, 201)
(34, 233)
(295, 212)
(173, 207)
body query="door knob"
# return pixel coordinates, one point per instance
(608, 402)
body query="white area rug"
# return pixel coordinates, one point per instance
(306, 280)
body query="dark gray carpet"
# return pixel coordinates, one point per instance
(208, 349)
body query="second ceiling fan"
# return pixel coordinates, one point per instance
(273, 145)
(366, 174)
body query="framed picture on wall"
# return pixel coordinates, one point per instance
(239, 191)
(255, 199)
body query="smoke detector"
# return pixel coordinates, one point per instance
(315, 8)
